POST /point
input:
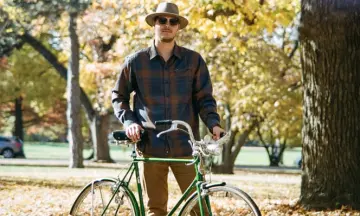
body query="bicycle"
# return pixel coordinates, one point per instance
(112, 196)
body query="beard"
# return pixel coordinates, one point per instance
(166, 40)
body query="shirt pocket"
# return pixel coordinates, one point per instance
(182, 81)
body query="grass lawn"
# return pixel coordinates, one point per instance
(247, 155)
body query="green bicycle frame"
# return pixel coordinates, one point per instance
(134, 167)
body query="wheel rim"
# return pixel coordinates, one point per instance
(93, 203)
(8, 153)
(223, 201)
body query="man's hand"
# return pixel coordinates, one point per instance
(133, 132)
(216, 132)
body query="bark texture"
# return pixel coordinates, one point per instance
(73, 98)
(19, 123)
(99, 127)
(100, 142)
(330, 55)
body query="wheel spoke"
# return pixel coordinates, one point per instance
(94, 199)
(102, 198)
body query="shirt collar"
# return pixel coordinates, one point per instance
(153, 52)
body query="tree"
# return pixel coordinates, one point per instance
(53, 10)
(251, 73)
(256, 79)
(73, 92)
(236, 51)
(329, 38)
(42, 109)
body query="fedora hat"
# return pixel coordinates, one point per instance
(166, 9)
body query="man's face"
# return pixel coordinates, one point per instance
(166, 28)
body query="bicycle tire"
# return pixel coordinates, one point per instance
(88, 203)
(224, 200)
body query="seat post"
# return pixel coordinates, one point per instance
(133, 154)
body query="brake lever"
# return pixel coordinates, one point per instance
(172, 128)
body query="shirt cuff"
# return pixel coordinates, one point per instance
(212, 123)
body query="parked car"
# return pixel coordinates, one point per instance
(11, 147)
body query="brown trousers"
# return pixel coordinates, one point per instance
(155, 181)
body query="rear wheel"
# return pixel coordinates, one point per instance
(223, 200)
(8, 153)
(94, 197)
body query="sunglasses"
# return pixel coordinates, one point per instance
(172, 21)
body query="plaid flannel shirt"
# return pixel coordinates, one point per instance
(179, 89)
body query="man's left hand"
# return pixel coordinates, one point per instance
(216, 132)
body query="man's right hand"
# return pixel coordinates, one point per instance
(133, 132)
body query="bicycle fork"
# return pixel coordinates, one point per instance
(203, 191)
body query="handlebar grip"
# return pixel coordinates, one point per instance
(163, 122)
(120, 135)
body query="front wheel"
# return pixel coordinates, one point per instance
(95, 197)
(223, 200)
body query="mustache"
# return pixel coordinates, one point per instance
(166, 29)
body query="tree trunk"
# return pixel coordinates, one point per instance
(231, 151)
(89, 111)
(19, 126)
(329, 38)
(275, 154)
(73, 98)
(99, 127)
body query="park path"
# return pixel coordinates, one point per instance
(48, 168)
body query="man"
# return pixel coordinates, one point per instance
(170, 82)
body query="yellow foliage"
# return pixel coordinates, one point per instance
(250, 71)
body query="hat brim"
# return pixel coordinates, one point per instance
(151, 22)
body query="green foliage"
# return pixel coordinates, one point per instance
(50, 8)
(248, 46)
(8, 37)
(31, 76)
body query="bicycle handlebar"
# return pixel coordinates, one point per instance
(174, 126)
(206, 147)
